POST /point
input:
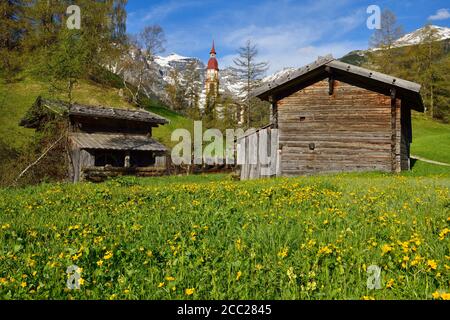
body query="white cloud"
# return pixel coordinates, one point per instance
(288, 33)
(441, 14)
(296, 57)
(299, 42)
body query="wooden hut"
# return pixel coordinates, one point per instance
(104, 141)
(336, 117)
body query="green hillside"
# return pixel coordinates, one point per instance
(17, 98)
(431, 139)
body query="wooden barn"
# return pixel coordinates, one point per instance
(102, 141)
(336, 117)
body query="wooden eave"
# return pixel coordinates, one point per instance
(323, 68)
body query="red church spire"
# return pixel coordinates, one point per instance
(213, 49)
(212, 63)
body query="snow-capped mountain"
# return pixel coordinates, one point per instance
(359, 57)
(229, 84)
(278, 74)
(160, 67)
(413, 38)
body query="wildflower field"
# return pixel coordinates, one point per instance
(208, 237)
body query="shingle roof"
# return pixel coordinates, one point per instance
(116, 113)
(323, 66)
(116, 142)
(43, 108)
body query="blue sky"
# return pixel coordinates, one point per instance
(288, 33)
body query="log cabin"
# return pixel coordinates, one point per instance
(336, 117)
(103, 141)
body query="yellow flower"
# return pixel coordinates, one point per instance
(3, 280)
(77, 256)
(6, 226)
(405, 261)
(113, 297)
(239, 244)
(238, 275)
(108, 255)
(126, 291)
(169, 278)
(432, 264)
(436, 295)
(385, 249)
(445, 296)
(161, 284)
(100, 263)
(81, 281)
(390, 283)
(23, 284)
(190, 291)
(416, 260)
(368, 298)
(443, 233)
(283, 252)
(324, 250)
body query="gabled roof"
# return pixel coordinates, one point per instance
(326, 66)
(116, 142)
(116, 113)
(43, 110)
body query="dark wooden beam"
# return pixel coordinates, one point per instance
(393, 93)
(331, 79)
(331, 84)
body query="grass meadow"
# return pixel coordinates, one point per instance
(208, 237)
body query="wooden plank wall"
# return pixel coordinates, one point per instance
(248, 151)
(350, 130)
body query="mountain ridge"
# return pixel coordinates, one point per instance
(161, 67)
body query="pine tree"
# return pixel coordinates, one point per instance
(175, 92)
(11, 26)
(441, 106)
(119, 21)
(429, 51)
(425, 63)
(192, 90)
(249, 71)
(66, 65)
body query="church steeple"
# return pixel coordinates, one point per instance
(213, 50)
(212, 74)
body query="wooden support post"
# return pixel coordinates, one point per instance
(331, 85)
(273, 112)
(394, 130)
(330, 80)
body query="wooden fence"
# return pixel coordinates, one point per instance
(258, 154)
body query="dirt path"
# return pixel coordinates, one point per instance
(430, 161)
